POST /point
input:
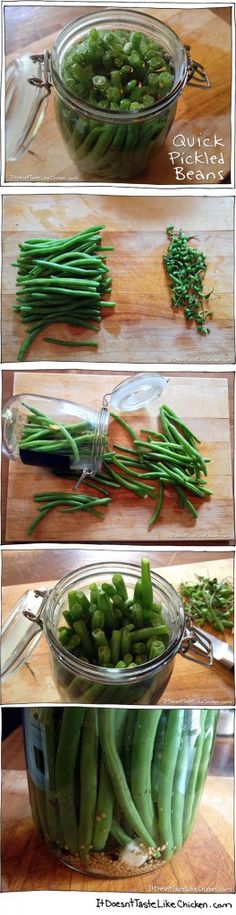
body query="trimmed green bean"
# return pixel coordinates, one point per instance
(68, 745)
(88, 782)
(117, 776)
(142, 753)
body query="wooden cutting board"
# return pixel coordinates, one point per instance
(143, 327)
(188, 685)
(194, 869)
(200, 113)
(202, 402)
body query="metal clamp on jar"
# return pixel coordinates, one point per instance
(79, 681)
(103, 143)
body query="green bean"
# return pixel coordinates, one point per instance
(146, 584)
(140, 490)
(70, 342)
(158, 508)
(180, 423)
(124, 424)
(191, 787)
(128, 743)
(104, 656)
(157, 754)
(140, 659)
(104, 809)
(88, 781)
(166, 778)
(128, 659)
(87, 696)
(142, 753)
(156, 648)
(179, 788)
(143, 634)
(98, 620)
(104, 604)
(68, 744)
(99, 637)
(119, 834)
(138, 594)
(185, 501)
(189, 448)
(115, 646)
(117, 776)
(48, 421)
(120, 586)
(86, 643)
(210, 726)
(126, 642)
(140, 647)
(49, 749)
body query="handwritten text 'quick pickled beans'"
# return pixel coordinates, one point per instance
(200, 158)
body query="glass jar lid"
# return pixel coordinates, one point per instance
(25, 104)
(137, 391)
(20, 633)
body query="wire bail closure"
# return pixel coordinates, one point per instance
(45, 82)
(197, 75)
(98, 443)
(37, 617)
(196, 645)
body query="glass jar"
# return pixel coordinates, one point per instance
(115, 792)
(66, 436)
(79, 681)
(107, 144)
(81, 449)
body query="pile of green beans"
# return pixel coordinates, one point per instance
(62, 281)
(209, 601)
(170, 456)
(118, 785)
(74, 502)
(169, 459)
(41, 433)
(186, 267)
(111, 628)
(118, 70)
(110, 151)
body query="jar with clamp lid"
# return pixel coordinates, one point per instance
(66, 436)
(113, 120)
(79, 680)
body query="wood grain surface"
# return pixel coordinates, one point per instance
(20, 565)
(205, 864)
(200, 114)
(143, 327)
(189, 684)
(202, 402)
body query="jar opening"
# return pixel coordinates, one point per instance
(164, 592)
(112, 20)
